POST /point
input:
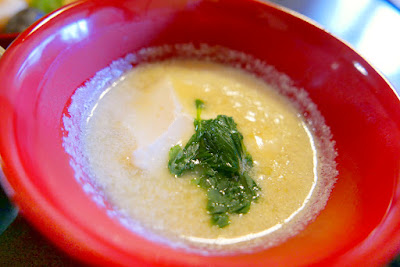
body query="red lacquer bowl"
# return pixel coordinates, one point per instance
(360, 225)
(7, 38)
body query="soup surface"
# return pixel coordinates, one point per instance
(131, 127)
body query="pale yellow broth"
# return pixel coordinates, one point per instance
(285, 165)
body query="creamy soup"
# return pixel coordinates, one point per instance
(131, 127)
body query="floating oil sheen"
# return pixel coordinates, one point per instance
(125, 138)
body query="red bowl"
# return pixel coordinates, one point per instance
(7, 38)
(360, 225)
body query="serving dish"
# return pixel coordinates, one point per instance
(46, 63)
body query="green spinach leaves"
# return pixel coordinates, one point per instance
(216, 150)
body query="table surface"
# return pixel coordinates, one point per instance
(371, 27)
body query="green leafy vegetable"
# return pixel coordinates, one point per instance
(216, 150)
(46, 6)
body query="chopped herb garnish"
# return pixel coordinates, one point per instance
(216, 150)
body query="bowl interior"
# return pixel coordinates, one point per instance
(48, 62)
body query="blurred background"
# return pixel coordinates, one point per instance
(371, 27)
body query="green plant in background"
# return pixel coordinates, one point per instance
(46, 6)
